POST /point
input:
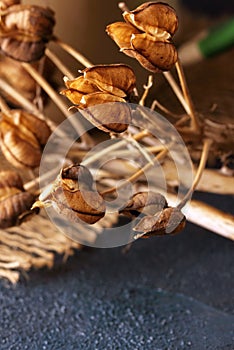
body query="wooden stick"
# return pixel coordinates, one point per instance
(138, 174)
(187, 96)
(204, 156)
(177, 91)
(147, 89)
(74, 53)
(59, 64)
(165, 110)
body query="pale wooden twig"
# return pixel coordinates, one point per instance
(187, 96)
(177, 91)
(59, 64)
(138, 174)
(165, 110)
(74, 53)
(147, 89)
(204, 156)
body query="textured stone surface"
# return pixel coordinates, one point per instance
(103, 299)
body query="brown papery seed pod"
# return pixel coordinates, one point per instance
(7, 3)
(29, 19)
(116, 79)
(25, 31)
(147, 202)
(15, 75)
(76, 177)
(23, 137)
(155, 18)
(11, 178)
(168, 221)
(161, 55)
(14, 204)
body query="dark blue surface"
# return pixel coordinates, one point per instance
(166, 293)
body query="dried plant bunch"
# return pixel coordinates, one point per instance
(22, 138)
(73, 196)
(103, 84)
(25, 30)
(147, 34)
(15, 203)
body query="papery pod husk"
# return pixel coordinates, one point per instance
(37, 126)
(168, 221)
(7, 3)
(162, 56)
(30, 20)
(153, 18)
(121, 33)
(23, 49)
(11, 178)
(81, 85)
(15, 75)
(108, 116)
(147, 202)
(76, 177)
(14, 207)
(116, 79)
(86, 206)
(23, 137)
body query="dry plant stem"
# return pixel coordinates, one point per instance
(123, 7)
(157, 104)
(60, 104)
(113, 147)
(208, 217)
(74, 53)
(177, 91)
(20, 99)
(187, 96)
(138, 174)
(204, 156)
(59, 64)
(147, 89)
(3, 106)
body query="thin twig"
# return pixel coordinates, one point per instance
(59, 64)
(187, 96)
(165, 110)
(138, 174)
(74, 53)
(177, 91)
(3, 106)
(147, 89)
(27, 105)
(123, 7)
(204, 156)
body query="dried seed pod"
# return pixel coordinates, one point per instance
(10, 178)
(76, 177)
(155, 18)
(15, 75)
(152, 54)
(168, 221)
(116, 79)
(15, 203)
(147, 35)
(103, 84)
(7, 3)
(72, 195)
(23, 137)
(25, 31)
(147, 202)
